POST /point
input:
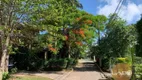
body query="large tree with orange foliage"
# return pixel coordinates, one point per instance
(80, 32)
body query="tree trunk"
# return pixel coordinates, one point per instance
(69, 56)
(45, 55)
(7, 62)
(3, 61)
(0, 74)
(1, 55)
(99, 37)
(5, 56)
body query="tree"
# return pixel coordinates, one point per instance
(61, 27)
(14, 16)
(139, 38)
(80, 32)
(99, 24)
(118, 38)
(116, 41)
(54, 20)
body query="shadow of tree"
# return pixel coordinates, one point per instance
(87, 66)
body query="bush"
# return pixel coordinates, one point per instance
(123, 60)
(5, 76)
(28, 62)
(56, 64)
(138, 60)
(45, 65)
(71, 63)
(105, 63)
(31, 62)
(62, 63)
(75, 62)
(13, 70)
(138, 69)
(59, 64)
(22, 61)
(36, 64)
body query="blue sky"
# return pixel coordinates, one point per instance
(130, 11)
(91, 5)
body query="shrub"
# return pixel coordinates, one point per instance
(138, 60)
(56, 64)
(45, 65)
(13, 70)
(62, 63)
(22, 61)
(105, 63)
(123, 60)
(138, 69)
(35, 64)
(5, 76)
(59, 64)
(75, 62)
(71, 63)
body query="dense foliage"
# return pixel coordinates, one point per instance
(119, 41)
(138, 67)
(139, 39)
(44, 27)
(51, 34)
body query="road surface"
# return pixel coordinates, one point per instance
(85, 70)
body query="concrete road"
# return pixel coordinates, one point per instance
(85, 70)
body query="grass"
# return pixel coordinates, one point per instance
(28, 78)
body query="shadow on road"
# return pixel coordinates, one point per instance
(86, 66)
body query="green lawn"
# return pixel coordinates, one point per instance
(29, 78)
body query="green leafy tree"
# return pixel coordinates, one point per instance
(15, 15)
(139, 38)
(100, 24)
(117, 40)
(54, 20)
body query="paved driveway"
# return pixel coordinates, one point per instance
(85, 70)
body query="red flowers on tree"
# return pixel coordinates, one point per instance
(52, 49)
(85, 21)
(78, 19)
(88, 22)
(78, 43)
(66, 37)
(80, 31)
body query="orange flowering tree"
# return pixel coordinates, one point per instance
(77, 32)
(81, 32)
(54, 20)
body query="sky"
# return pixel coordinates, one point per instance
(130, 10)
